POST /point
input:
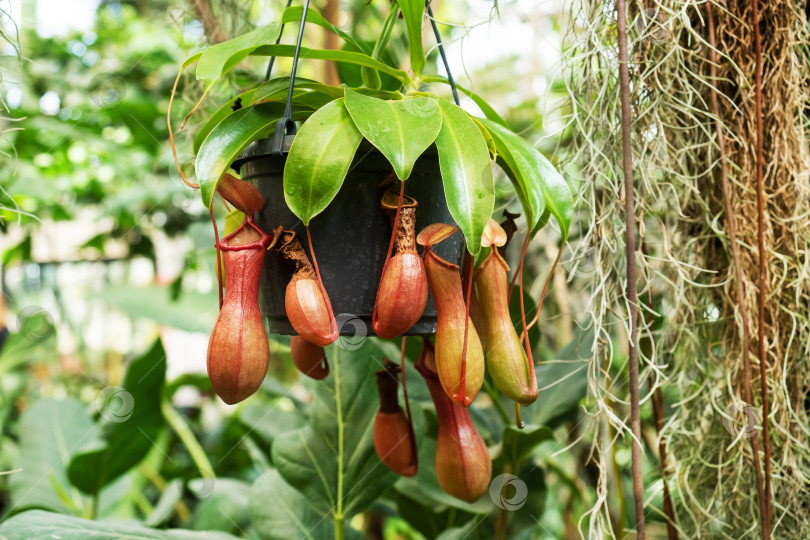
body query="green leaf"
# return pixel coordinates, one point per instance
(282, 84)
(488, 111)
(192, 312)
(466, 173)
(219, 59)
(319, 159)
(563, 381)
(223, 505)
(279, 512)
(543, 187)
(229, 139)
(518, 443)
(332, 461)
(412, 12)
(51, 432)
(132, 420)
(348, 57)
(39, 524)
(524, 176)
(424, 486)
(401, 130)
(293, 14)
(221, 114)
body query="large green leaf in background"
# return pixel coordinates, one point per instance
(229, 139)
(51, 433)
(279, 512)
(219, 59)
(542, 185)
(401, 130)
(412, 12)
(466, 173)
(332, 461)
(319, 159)
(563, 382)
(37, 524)
(132, 421)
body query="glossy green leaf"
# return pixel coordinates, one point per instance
(412, 12)
(319, 159)
(246, 98)
(51, 433)
(348, 57)
(229, 139)
(132, 420)
(543, 187)
(219, 59)
(401, 130)
(39, 524)
(332, 461)
(279, 512)
(293, 14)
(466, 173)
(488, 111)
(524, 174)
(282, 84)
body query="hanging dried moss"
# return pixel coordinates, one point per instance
(686, 268)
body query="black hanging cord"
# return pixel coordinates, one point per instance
(278, 40)
(286, 125)
(441, 52)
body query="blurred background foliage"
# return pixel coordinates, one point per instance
(105, 251)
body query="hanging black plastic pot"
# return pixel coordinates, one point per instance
(350, 237)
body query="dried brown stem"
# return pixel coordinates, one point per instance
(735, 255)
(213, 31)
(630, 246)
(763, 372)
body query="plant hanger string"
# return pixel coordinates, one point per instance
(442, 53)
(286, 125)
(278, 40)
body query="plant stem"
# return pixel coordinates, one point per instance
(735, 255)
(185, 434)
(493, 394)
(630, 246)
(763, 282)
(338, 528)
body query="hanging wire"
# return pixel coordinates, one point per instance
(286, 125)
(278, 40)
(441, 52)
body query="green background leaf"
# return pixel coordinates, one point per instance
(319, 159)
(466, 173)
(39, 524)
(401, 130)
(134, 423)
(279, 512)
(332, 461)
(51, 433)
